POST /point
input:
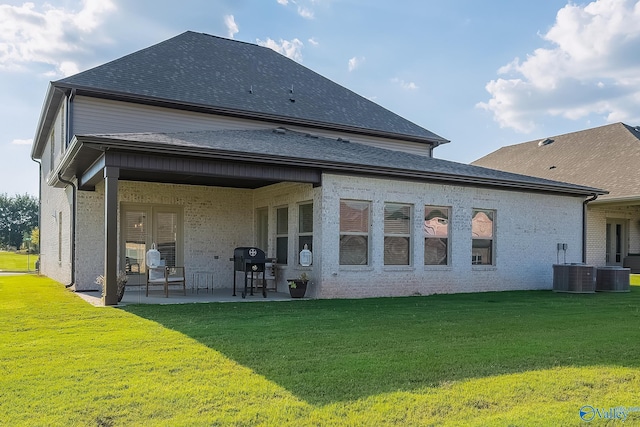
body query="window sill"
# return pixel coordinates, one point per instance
(398, 268)
(483, 268)
(356, 268)
(438, 268)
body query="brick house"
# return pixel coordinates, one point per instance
(201, 144)
(604, 157)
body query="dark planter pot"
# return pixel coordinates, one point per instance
(299, 290)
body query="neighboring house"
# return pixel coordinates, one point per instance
(606, 157)
(201, 144)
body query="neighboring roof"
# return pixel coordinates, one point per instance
(209, 73)
(605, 157)
(296, 149)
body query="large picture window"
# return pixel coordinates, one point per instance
(483, 236)
(354, 232)
(397, 234)
(436, 235)
(282, 235)
(305, 226)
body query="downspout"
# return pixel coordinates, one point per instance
(584, 227)
(73, 229)
(74, 203)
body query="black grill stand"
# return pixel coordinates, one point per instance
(249, 260)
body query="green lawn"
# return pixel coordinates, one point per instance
(512, 358)
(17, 261)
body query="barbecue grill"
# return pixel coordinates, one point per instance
(249, 260)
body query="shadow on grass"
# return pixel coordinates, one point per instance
(328, 351)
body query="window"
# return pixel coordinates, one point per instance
(436, 235)
(305, 226)
(482, 229)
(397, 234)
(282, 235)
(354, 232)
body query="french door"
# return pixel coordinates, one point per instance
(145, 225)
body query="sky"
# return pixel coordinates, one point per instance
(482, 74)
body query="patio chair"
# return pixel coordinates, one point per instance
(270, 274)
(166, 276)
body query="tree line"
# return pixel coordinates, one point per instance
(18, 220)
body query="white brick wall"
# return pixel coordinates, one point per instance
(529, 226)
(55, 256)
(216, 220)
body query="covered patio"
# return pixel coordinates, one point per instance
(136, 295)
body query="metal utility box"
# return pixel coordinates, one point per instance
(575, 278)
(250, 261)
(612, 279)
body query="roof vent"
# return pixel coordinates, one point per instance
(342, 140)
(552, 167)
(637, 128)
(280, 131)
(545, 141)
(309, 135)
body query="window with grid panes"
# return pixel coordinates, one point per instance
(354, 232)
(397, 234)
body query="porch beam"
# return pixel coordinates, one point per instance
(110, 295)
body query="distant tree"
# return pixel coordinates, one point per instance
(35, 240)
(18, 215)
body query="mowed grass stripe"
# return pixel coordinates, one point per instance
(520, 358)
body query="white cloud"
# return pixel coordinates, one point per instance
(404, 85)
(355, 63)
(305, 12)
(47, 34)
(22, 141)
(313, 41)
(591, 67)
(304, 7)
(291, 49)
(232, 27)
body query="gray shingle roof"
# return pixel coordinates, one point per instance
(605, 157)
(202, 70)
(331, 154)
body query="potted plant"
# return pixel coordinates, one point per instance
(122, 282)
(298, 287)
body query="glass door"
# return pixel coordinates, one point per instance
(141, 227)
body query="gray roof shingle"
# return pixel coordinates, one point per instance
(604, 157)
(331, 154)
(203, 70)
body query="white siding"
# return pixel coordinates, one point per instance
(103, 116)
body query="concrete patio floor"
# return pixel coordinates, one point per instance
(136, 295)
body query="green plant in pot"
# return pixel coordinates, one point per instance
(298, 287)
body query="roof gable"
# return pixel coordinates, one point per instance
(208, 71)
(603, 157)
